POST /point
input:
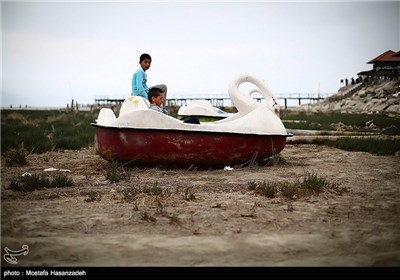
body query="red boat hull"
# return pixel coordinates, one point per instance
(184, 148)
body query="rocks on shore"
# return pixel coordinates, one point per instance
(382, 97)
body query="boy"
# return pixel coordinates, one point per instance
(139, 79)
(156, 98)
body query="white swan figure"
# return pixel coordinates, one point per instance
(204, 108)
(245, 104)
(254, 90)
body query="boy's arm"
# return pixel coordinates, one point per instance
(165, 111)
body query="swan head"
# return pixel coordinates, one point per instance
(245, 103)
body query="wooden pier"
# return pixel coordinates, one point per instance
(221, 101)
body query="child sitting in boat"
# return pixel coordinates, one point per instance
(139, 79)
(156, 98)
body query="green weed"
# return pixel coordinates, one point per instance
(61, 181)
(116, 172)
(147, 217)
(267, 189)
(47, 130)
(275, 160)
(252, 185)
(16, 157)
(324, 121)
(153, 190)
(92, 196)
(34, 182)
(130, 194)
(189, 194)
(288, 191)
(314, 184)
(309, 184)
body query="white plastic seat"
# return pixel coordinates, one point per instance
(133, 103)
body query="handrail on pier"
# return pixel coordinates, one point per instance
(215, 101)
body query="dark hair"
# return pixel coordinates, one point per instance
(144, 56)
(154, 92)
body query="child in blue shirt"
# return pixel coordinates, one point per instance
(139, 79)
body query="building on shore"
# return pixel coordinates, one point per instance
(385, 66)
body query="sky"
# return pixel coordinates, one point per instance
(53, 52)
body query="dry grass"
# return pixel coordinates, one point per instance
(307, 185)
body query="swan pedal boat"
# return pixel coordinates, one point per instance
(142, 136)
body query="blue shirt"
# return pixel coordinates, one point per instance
(139, 83)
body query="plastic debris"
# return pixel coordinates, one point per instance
(50, 169)
(56, 169)
(228, 168)
(65, 170)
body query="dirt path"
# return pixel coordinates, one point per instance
(204, 218)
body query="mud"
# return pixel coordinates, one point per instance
(206, 217)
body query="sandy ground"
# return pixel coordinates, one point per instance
(209, 217)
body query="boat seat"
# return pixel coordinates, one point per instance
(133, 103)
(192, 120)
(106, 117)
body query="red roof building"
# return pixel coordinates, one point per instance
(397, 54)
(385, 66)
(386, 57)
